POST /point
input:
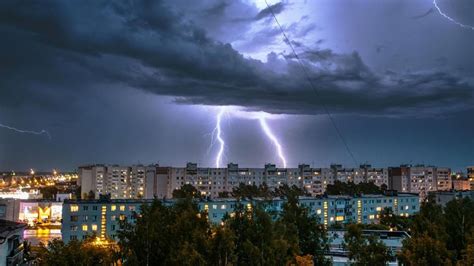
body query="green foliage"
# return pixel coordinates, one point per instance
(262, 191)
(424, 250)
(396, 222)
(186, 191)
(441, 236)
(365, 250)
(300, 223)
(176, 235)
(74, 253)
(350, 188)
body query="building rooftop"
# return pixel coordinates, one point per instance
(6, 227)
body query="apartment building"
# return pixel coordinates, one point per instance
(470, 176)
(419, 179)
(121, 182)
(154, 181)
(82, 218)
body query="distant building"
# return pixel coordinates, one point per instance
(419, 179)
(82, 218)
(11, 243)
(470, 176)
(461, 182)
(9, 209)
(443, 197)
(137, 181)
(393, 240)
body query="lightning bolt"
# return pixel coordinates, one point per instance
(271, 136)
(218, 133)
(450, 18)
(42, 132)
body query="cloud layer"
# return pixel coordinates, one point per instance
(56, 49)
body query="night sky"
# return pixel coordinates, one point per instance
(142, 82)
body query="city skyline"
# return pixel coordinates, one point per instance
(150, 84)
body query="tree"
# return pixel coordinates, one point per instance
(393, 221)
(350, 188)
(424, 250)
(311, 235)
(86, 253)
(162, 235)
(223, 249)
(186, 191)
(259, 240)
(365, 250)
(458, 223)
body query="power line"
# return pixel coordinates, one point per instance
(305, 71)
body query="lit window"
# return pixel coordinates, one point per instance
(206, 207)
(74, 208)
(331, 219)
(214, 206)
(122, 207)
(379, 209)
(223, 206)
(371, 216)
(318, 211)
(84, 227)
(122, 217)
(113, 208)
(94, 227)
(339, 218)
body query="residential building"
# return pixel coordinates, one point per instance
(11, 243)
(419, 179)
(393, 240)
(9, 209)
(461, 182)
(443, 197)
(470, 176)
(82, 218)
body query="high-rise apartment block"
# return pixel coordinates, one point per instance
(139, 181)
(419, 179)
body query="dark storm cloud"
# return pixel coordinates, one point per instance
(267, 12)
(61, 48)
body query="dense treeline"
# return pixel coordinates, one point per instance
(350, 188)
(181, 235)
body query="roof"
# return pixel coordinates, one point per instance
(7, 227)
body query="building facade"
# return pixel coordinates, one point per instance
(470, 176)
(83, 218)
(154, 181)
(11, 243)
(419, 179)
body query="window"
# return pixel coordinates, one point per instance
(94, 218)
(94, 208)
(318, 211)
(113, 208)
(122, 207)
(84, 227)
(74, 218)
(214, 206)
(85, 208)
(371, 216)
(113, 227)
(122, 217)
(74, 208)
(72, 237)
(339, 218)
(73, 227)
(94, 227)
(85, 218)
(132, 208)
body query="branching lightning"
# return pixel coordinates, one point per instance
(271, 136)
(218, 133)
(42, 132)
(450, 18)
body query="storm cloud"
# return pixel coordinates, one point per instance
(51, 46)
